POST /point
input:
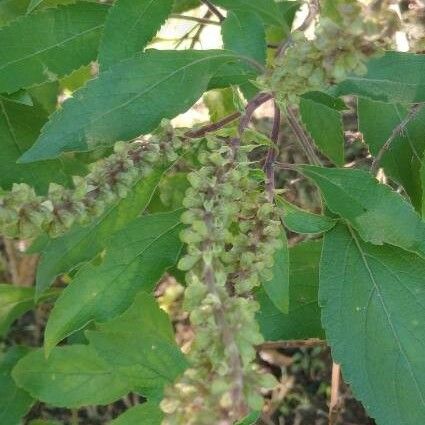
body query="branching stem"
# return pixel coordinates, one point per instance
(194, 19)
(214, 10)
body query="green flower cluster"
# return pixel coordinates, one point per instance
(231, 238)
(25, 214)
(340, 47)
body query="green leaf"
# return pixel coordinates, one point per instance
(243, 32)
(277, 289)
(46, 95)
(143, 414)
(140, 344)
(130, 26)
(47, 45)
(303, 319)
(251, 419)
(11, 9)
(379, 214)
(304, 222)
(185, 5)
(72, 376)
(14, 402)
(136, 257)
(220, 103)
(402, 161)
(133, 352)
(21, 97)
(373, 310)
(14, 302)
(268, 10)
(34, 4)
(83, 243)
(19, 128)
(325, 126)
(147, 88)
(395, 77)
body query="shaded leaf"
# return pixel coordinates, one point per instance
(140, 344)
(277, 289)
(402, 161)
(185, 5)
(128, 100)
(72, 376)
(394, 77)
(303, 319)
(325, 126)
(143, 414)
(251, 419)
(373, 304)
(49, 44)
(14, 302)
(378, 213)
(14, 402)
(136, 257)
(19, 128)
(304, 222)
(130, 26)
(82, 243)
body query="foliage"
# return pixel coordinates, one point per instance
(116, 198)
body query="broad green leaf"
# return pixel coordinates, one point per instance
(12, 9)
(268, 10)
(185, 5)
(394, 77)
(14, 302)
(83, 243)
(146, 89)
(243, 32)
(143, 414)
(14, 402)
(76, 79)
(19, 128)
(325, 126)
(49, 44)
(43, 422)
(72, 376)
(140, 344)
(277, 289)
(22, 97)
(422, 177)
(373, 310)
(304, 222)
(130, 26)
(378, 213)
(402, 160)
(136, 257)
(34, 4)
(303, 319)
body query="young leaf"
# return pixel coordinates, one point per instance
(402, 160)
(143, 414)
(47, 45)
(130, 25)
(303, 319)
(136, 257)
(395, 77)
(278, 288)
(304, 222)
(19, 128)
(14, 402)
(72, 376)
(379, 214)
(251, 419)
(83, 243)
(146, 89)
(140, 344)
(373, 310)
(243, 32)
(324, 123)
